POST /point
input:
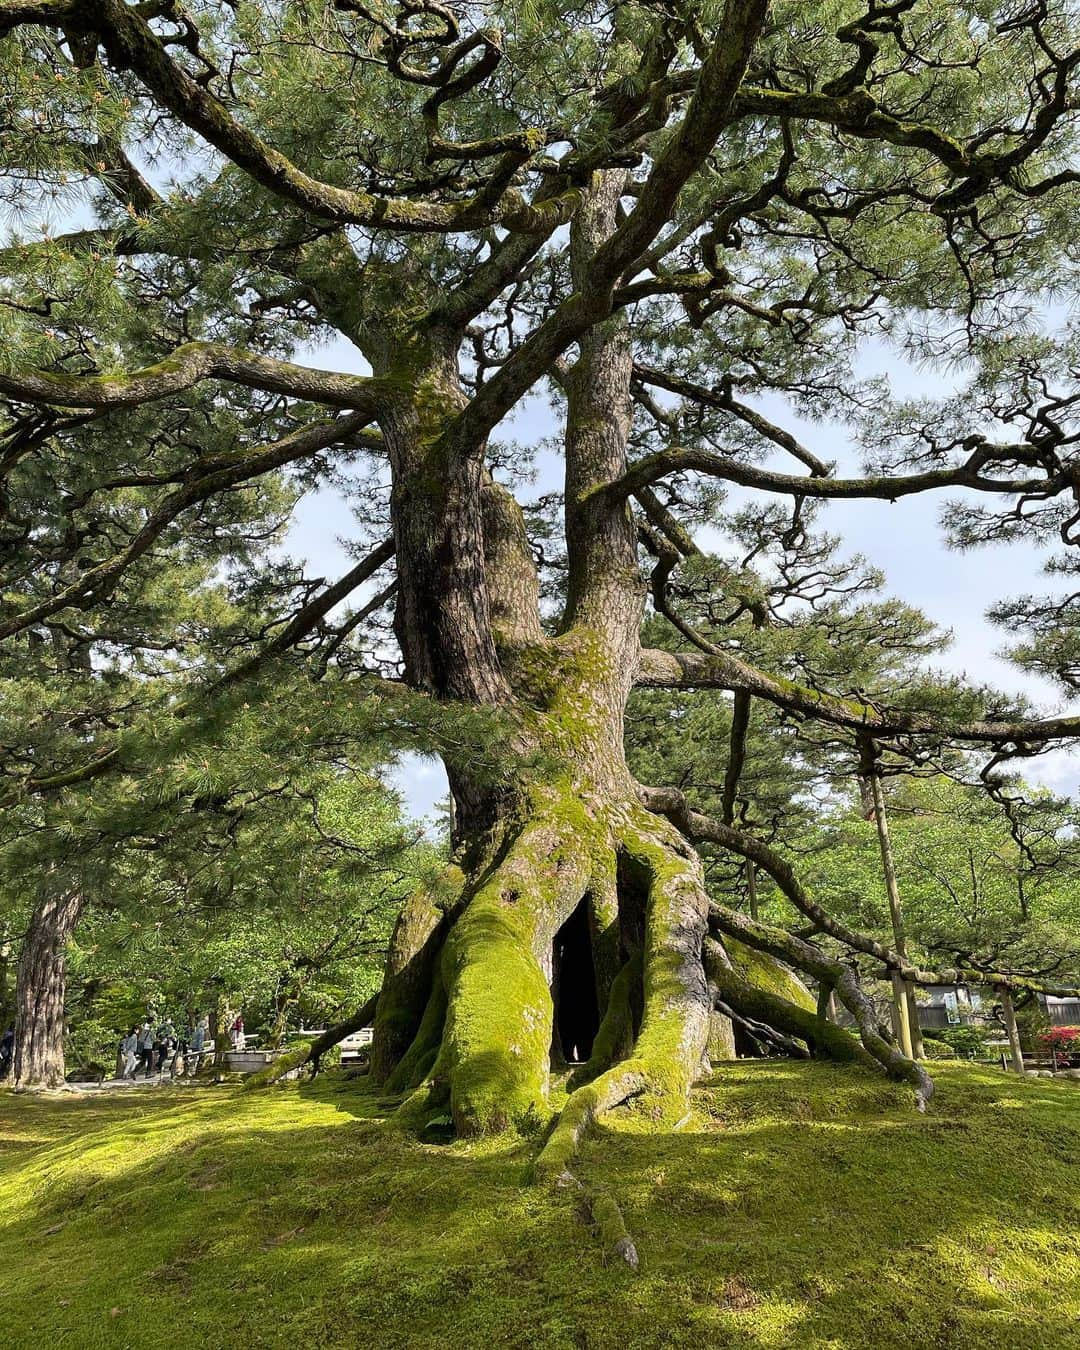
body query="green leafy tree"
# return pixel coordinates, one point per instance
(284, 911)
(972, 895)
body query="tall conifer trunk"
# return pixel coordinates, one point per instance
(40, 990)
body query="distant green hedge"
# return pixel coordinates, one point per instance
(937, 1049)
(966, 1042)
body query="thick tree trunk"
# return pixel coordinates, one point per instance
(467, 1017)
(40, 990)
(482, 1036)
(572, 919)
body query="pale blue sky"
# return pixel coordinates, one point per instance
(903, 538)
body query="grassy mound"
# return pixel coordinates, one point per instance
(802, 1207)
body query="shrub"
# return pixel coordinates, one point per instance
(936, 1048)
(1064, 1042)
(967, 1042)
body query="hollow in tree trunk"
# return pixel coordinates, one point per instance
(560, 875)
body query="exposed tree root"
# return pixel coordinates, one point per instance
(613, 1231)
(608, 1218)
(764, 1036)
(481, 1019)
(313, 1051)
(582, 1110)
(762, 1007)
(418, 1061)
(786, 947)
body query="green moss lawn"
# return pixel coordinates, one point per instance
(803, 1206)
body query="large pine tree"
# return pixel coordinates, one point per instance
(676, 218)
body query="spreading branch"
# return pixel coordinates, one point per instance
(186, 367)
(724, 670)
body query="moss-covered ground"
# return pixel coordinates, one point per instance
(802, 1206)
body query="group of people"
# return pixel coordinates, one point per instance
(150, 1050)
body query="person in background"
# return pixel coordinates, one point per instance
(129, 1048)
(196, 1044)
(166, 1042)
(146, 1049)
(7, 1050)
(238, 1033)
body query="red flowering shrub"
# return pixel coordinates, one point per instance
(1064, 1042)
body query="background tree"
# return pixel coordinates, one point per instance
(970, 895)
(262, 812)
(285, 914)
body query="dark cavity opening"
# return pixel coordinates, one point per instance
(746, 1046)
(573, 989)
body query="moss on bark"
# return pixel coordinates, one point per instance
(410, 965)
(764, 972)
(418, 1060)
(494, 1051)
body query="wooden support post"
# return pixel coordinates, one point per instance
(894, 1021)
(825, 997)
(1015, 1052)
(913, 1021)
(751, 889)
(901, 1020)
(903, 994)
(826, 1003)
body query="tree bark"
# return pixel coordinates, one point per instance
(220, 1028)
(721, 1046)
(751, 888)
(40, 990)
(7, 1005)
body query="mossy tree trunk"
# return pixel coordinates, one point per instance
(466, 1019)
(40, 989)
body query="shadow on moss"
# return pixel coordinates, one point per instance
(802, 1207)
